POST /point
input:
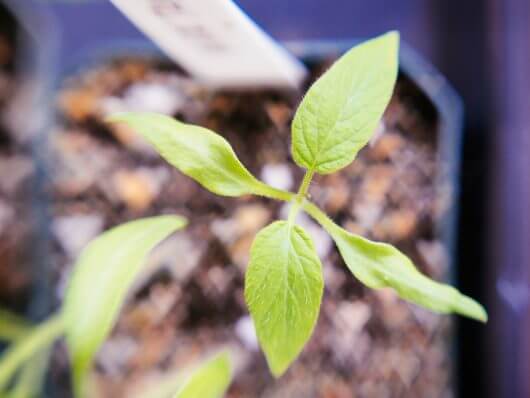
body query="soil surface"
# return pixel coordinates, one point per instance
(189, 302)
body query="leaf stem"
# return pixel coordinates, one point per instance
(319, 216)
(273, 193)
(36, 340)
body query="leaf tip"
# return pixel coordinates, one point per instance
(278, 369)
(390, 40)
(393, 35)
(116, 117)
(473, 309)
(178, 222)
(482, 315)
(128, 117)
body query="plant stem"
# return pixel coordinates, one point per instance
(293, 212)
(267, 191)
(298, 200)
(36, 340)
(304, 187)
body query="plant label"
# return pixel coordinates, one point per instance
(215, 42)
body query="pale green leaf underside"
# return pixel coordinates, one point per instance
(197, 152)
(380, 265)
(283, 290)
(211, 380)
(102, 275)
(341, 110)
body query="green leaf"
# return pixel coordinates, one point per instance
(341, 110)
(199, 153)
(30, 380)
(38, 338)
(379, 265)
(12, 327)
(283, 290)
(102, 275)
(211, 380)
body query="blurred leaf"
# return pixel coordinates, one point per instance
(199, 153)
(283, 289)
(25, 348)
(379, 265)
(341, 110)
(102, 276)
(30, 380)
(211, 380)
(12, 327)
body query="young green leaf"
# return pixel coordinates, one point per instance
(341, 110)
(103, 273)
(199, 153)
(283, 290)
(379, 265)
(211, 380)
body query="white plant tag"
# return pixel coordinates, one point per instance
(215, 42)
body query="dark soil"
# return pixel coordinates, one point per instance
(16, 169)
(190, 301)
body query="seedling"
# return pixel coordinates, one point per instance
(283, 282)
